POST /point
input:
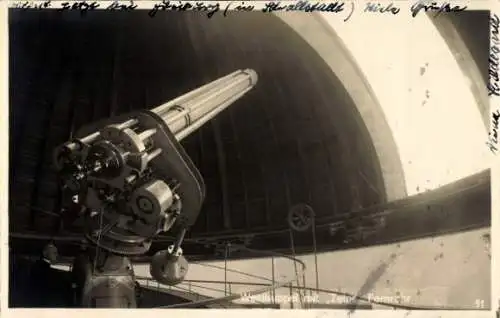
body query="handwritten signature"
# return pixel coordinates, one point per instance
(493, 135)
(493, 85)
(434, 7)
(494, 79)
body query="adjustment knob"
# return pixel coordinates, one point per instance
(167, 268)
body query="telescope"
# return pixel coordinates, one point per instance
(132, 180)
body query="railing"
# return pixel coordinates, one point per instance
(229, 296)
(298, 296)
(195, 289)
(262, 294)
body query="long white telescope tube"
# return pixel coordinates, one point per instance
(187, 113)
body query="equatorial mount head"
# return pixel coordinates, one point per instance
(111, 173)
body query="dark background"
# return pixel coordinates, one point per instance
(295, 138)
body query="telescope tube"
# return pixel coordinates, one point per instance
(188, 112)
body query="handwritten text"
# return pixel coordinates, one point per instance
(493, 135)
(377, 7)
(32, 5)
(434, 7)
(241, 7)
(82, 6)
(116, 5)
(209, 8)
(493, 85)
(305, 6)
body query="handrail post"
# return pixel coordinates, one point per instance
(225, 269)
(297, 277)
(304, 282)
(315, 252)
(291, 296)
(273, 291)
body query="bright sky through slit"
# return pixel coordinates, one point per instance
(426, 99)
